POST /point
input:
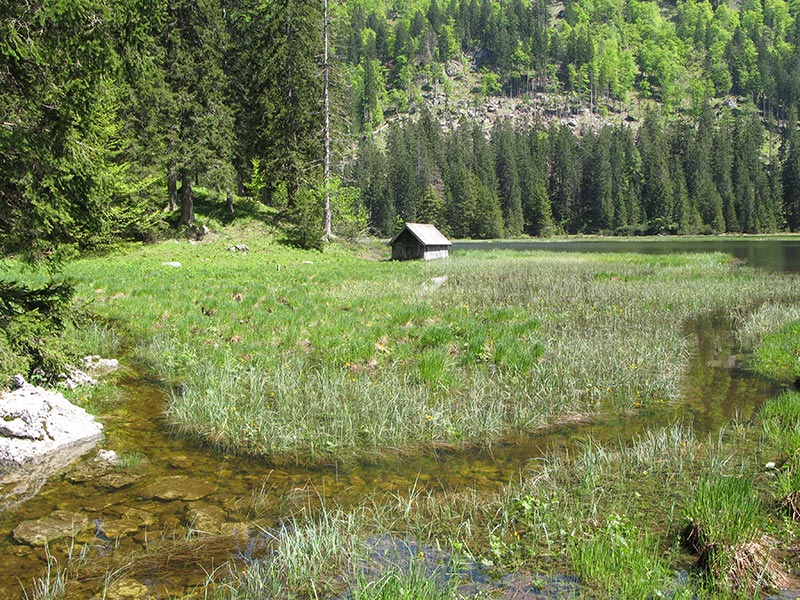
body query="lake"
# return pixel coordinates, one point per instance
(773, 254)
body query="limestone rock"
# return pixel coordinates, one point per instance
(59, 524)
(178, 487)
(16, 382)
(75, 378)
(130, 522)
(35, 422)
(100, 366)
(108, 457)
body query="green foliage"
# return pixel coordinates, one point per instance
(778, 354)
(31, 323)
(348, 214)
(413, 582)
(724, 512)
(620, 561)
(305, 220)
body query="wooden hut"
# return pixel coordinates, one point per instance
(419, 241)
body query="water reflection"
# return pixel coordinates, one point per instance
(782, 255)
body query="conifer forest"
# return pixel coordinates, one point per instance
(487, 118)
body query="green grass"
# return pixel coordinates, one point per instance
(621, 562)
(780, 417)
(321, 357)
(772, 334)
(724, 511)
(781, 421)
(778, 355)
(410, 583)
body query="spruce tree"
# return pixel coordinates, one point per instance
(198, 119)
(791, 173)
(59, 126)
(504, 143)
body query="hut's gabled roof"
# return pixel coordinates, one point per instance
(427, 234)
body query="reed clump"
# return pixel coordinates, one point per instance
(725, 521)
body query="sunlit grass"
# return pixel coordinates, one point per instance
(619, 561)
(321, 357)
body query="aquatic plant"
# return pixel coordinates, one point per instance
(619, 561)
(414, 582)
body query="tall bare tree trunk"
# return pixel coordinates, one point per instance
(172, 189)
(326, 169)
(229, 203)
(187, 201)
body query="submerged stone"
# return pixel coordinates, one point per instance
(206, 518)
(178, 487)
(59, 524)
(125, 589)
(130, 522)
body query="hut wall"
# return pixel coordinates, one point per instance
(407, 247)
(434, 252)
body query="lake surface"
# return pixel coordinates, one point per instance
(781, 254)
(125, 516)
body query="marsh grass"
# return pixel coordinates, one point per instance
(772, 333)
(780, 418)
(726, 523)
(309, 357)
(413, 582)
(787, 483)
(128, 461)
(778, 355)
(52, 585)
(619, 561)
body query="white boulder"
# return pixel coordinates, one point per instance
(35, 422)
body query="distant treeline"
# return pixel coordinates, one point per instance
(110, 112)
(724, 173)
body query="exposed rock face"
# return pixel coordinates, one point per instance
(35, 422)
(61, 523)
(40, 434)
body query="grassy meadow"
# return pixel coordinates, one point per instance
(323, 357)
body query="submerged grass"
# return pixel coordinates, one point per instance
(323, 357)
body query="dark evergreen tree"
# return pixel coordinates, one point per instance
(58, 127)
(657, 191)
(532, 168)
(279, 83)
(565, 175)
(504, 140)
(791, 173)
(198, 119)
